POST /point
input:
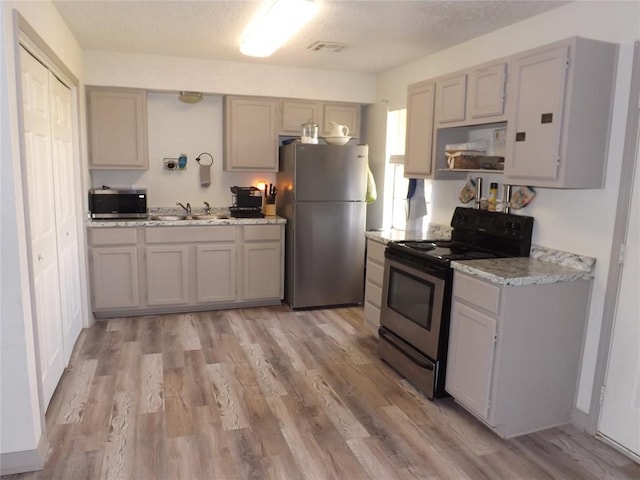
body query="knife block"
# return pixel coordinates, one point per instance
(270, 210)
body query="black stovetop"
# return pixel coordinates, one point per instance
(476, 234)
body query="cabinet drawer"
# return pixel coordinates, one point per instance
(375, 273)
(262, 232)
(113, 236)
(190, 234)
(477, 292)
(373, 294)
(375, 251)
(371, 317)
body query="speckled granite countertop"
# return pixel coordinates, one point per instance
(543, 266)
(184, 223)
(148, 222)
(434, 232)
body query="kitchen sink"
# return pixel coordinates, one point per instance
(168, 218)
(210, 217)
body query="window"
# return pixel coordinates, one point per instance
(396, 186)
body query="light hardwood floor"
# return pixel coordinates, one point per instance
(271, 393)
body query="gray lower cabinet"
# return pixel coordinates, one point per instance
(514, 352)
(114, 268)
(137, 271)
(215, 273)
(373, 285)
(167, 274)
(190, 265)
(262, 259)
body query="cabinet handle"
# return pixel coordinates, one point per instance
(521, 136)
(40, 257)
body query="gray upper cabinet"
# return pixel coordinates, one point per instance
(294, 113)
(251, 134)
(559, 111)
(343, 114)
(117, 129)
(419, 137)
(486, 92)
(451, 96)
(476, 96)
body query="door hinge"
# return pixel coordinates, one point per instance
(602, 390)
(622, 252)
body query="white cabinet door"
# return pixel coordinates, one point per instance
(342, 114)
(486, 92)
(472, 339)
(295, 113)
(66, 214)
(262, 273)
(42, 220)
(620, 415)
(167, 274)
(118, 129)
(251, 134)
(537, 90)
(115, 277)
(451, 95)
(215, 273)
(419, 138)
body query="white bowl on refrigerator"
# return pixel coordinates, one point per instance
(337, 140)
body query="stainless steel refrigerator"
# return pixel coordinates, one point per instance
(321, 193)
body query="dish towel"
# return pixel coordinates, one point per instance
(205, 175)
(372, 193)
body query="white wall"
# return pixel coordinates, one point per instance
(174, 128)
(154, 72)
(579, 221)
(21, 422)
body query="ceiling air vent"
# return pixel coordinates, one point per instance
(326, 47)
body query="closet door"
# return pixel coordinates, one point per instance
(65, 213)
(42, 220)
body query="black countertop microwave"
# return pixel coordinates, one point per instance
(114, 203)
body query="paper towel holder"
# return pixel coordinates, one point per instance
(204, 153)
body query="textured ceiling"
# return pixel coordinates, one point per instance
(378, 34)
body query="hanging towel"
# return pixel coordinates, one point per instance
(205, 170)
(205, 175)
(372, 193)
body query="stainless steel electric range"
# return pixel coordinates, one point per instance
(416, 298)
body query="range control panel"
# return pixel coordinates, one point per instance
(510, 233)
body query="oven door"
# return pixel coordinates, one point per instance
(412, 303)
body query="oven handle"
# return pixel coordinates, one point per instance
(403, 264)
(400, 348)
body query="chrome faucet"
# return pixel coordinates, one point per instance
(187, 209)
(207, 209)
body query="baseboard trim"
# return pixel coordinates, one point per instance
(580, 420)
(25, 460)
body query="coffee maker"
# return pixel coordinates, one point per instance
(247, 202)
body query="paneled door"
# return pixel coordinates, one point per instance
(42, 220)
(65, 213)
(620, 414)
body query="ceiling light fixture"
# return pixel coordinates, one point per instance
(275, 23)
(190, 97)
